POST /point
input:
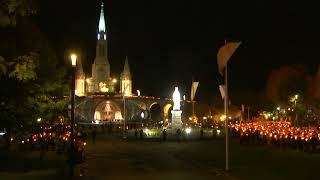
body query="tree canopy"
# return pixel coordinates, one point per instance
(33, 80)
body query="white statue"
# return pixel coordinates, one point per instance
(176, 99)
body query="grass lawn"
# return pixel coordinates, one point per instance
(114, 158)
(28, 165)
(32, 175)
(254, 162)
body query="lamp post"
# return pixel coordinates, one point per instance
(124, 110)
(295, 107)
(74, 63)
(278, 112)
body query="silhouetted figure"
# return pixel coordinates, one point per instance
(178, 134)
(214, 133)
(109, 128)
(94, 134)
(141, 133)
(136, 133)
(42, 147)
(164, 135)
(201, 133)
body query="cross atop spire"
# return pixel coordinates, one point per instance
(102, 24)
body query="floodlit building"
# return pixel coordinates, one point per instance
(100, 80)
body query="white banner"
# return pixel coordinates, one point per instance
(222, 91)
(194, 87)
(224, 54)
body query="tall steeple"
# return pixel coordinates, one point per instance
(126, 83)
(79, 69)
(126, 70)
(100, 66)
(102, 25)
(80, 79)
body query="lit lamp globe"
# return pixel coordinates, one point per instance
(73, 59)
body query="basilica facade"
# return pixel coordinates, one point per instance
(100, 80)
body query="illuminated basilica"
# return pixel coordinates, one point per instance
(100, 80)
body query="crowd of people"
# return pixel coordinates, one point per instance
(280, 134)
(50, 138)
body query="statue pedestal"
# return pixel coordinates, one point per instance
(176, 119)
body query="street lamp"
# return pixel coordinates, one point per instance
(295, 107)
(278, 112)
(124, 110)
(73, 60)
(74, 63)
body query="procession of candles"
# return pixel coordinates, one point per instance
(276, 132)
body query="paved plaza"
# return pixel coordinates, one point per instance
(113, 158)
(147, 159)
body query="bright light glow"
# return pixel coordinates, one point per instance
(204, 118)
(176, 99)
(188, 130)
(184, 97)
(138, 92)
(296, 96)
(97, 115)
(102, 24)
(146, 131)
(218, 131)
(103, 87)
(118, 115)
(190, 118)
(142, 115)
(114, 80)
(229, 117)
(88, 80)
(39, 119)
(278, 108)
(2, 133)
(223, 117)
(84, 143)
(73, 59)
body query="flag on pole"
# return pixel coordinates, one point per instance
(224, 54)
(194, 87)
(222, 89)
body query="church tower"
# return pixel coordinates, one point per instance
(80, 80)
(100, 66)
(126, 83)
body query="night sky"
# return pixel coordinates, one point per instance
(168, 43)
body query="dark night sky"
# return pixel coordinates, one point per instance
(169, 42)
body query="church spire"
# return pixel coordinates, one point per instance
(79, 69)
(102, 25)
(126, 83)
(126, 70)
